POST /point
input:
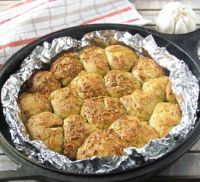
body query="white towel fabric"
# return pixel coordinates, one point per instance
(27, 20)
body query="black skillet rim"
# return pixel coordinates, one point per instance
(110, 26)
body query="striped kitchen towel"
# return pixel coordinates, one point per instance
(27, 20)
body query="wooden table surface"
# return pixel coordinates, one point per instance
(188, 166)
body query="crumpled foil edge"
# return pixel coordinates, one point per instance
(184, 84)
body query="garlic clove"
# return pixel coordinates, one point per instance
(166, 25)
(190, 22)
(189, 12)
(180, 26)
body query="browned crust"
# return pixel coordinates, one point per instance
(102, 111)
(102, 144)
(88, 85)
(66, 67)
(165, 116)
(33, 103)
(43, 82)
(120, 83)
(147, 69)
(47, 127)
(94, 60)
(133, 131)
(121, 57)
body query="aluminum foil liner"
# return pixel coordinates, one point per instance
(184, 85)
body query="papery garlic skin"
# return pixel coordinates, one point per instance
(176, 18)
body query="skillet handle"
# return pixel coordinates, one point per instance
(188, 42)
(23, 171)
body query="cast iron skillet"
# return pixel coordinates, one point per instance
(182, 46)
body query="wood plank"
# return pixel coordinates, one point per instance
(187, 165)
(196, 147)
(1, 152)
(152, 15)
(158, 4)
(6, 163)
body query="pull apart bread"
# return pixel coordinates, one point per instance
(98, 101)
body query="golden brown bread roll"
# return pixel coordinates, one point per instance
(43, 82)
(147, 69)
(75, 132)
(88, 85)
(102, 111)
(164, 117)
(134, 131)
(139, 104)
(121, 57)
(89, 129)
(66, 67)
(156, 86)
(74, 135)
(33, 103)
(170, 96)
(47, 127)
(120, 83)
(65, 103)
(94, 60)
(101, 144)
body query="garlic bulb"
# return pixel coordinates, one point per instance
(176, 18)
